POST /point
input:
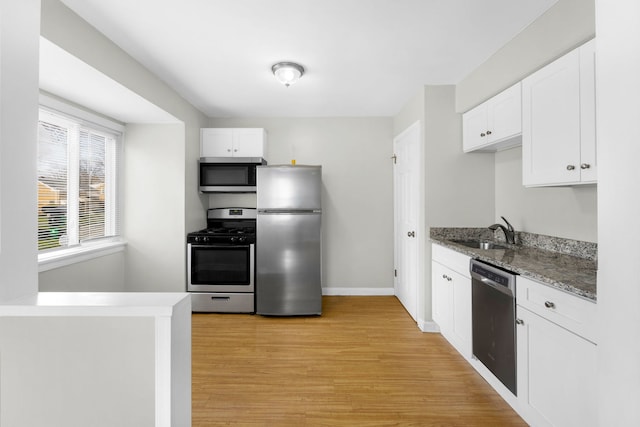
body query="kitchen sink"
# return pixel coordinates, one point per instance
(480, 244)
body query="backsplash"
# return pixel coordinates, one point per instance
(577, 248)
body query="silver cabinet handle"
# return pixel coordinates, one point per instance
(228, 150)
(447, 278)
(482, 135)
(411, 233)
(585, 166)
(488, 132)
(570, 167)
(519, 322)
(549, 304)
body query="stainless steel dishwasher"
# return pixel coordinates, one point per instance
(493, 306)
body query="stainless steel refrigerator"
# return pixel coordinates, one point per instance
(288, 251)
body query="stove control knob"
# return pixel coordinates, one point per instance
(242, 239)
(206, 239)
(233, 239)
(196, 239)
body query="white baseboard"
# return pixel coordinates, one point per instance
(428, 326)
(357, 291)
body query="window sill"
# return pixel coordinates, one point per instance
(69, 256)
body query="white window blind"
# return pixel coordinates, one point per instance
(77, 182)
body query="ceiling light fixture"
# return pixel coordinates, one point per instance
(287, 73)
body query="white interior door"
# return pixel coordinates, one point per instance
(406, 176)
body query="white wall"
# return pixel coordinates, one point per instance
(569, 212)
(355, 154)
(557, 211)
(458, 188)
(69, 373)
(618, 106)
(154, 208)
(179, 204)
(104, 274)
(19, 38)
(564, 26)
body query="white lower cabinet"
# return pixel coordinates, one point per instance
(556, 367)
(556, 343)
(451, 303)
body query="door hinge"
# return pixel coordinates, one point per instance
(394, 157)
(395, 273)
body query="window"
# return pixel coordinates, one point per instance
(77, 182)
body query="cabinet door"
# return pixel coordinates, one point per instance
(461, 319)
(474, 128)
(505, 114)
(588, 164)
(248, 142)
(215, 142)
(451, 306)
(556, 373)
(551, 123)
(442, 296)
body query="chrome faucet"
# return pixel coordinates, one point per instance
(509, 232)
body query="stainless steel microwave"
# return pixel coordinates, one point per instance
(228, 174)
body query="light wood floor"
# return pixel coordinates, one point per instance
(364, 362)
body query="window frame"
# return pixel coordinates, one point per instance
(55, 258)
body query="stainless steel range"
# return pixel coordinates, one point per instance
(221, 262)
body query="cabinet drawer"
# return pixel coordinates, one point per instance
(571, 312)
(222, 303)
(452, 259)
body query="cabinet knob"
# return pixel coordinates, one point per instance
(482, 135)
(570, 167)
(549, 304)
(519, 322)
(585, 166)
(488, 132)
(228, 150)
(235, 150)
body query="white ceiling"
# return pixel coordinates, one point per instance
(362, 57)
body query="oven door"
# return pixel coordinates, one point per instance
(220, 268)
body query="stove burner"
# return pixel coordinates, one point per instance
(222, 230)
(236, 232)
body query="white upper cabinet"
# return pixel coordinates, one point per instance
(558, 121)
(232, 142)
(495, 124)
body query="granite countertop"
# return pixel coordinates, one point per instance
(565, 264)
